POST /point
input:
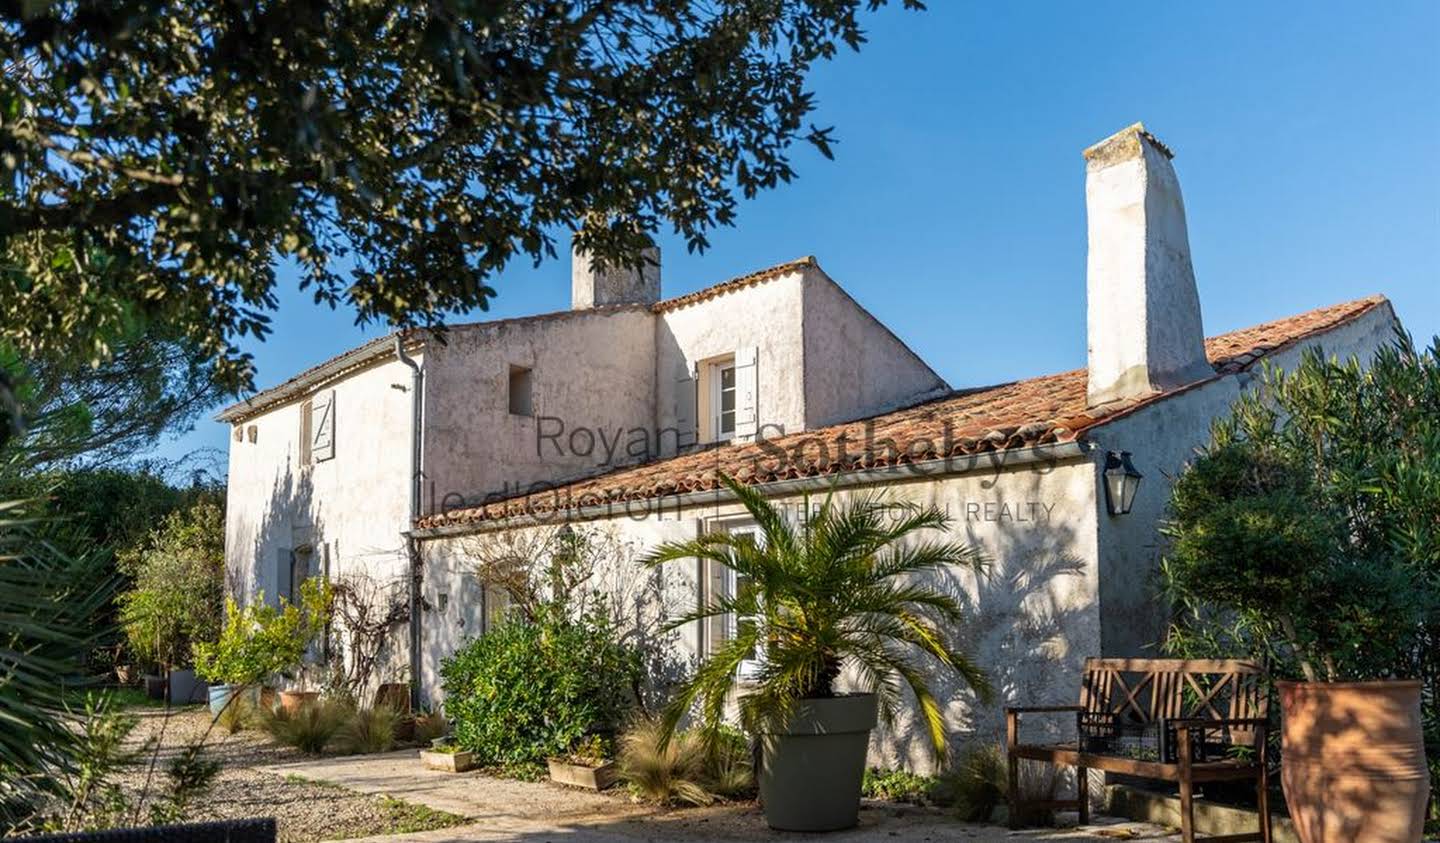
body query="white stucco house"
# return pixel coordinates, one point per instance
(403, 457)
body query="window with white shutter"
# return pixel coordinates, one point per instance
(317, 428)
(685, 408)
(322, 445)
(747, 392)
(723, 582)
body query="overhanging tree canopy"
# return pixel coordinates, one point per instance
(161, 155)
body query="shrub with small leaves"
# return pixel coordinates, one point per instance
(897, 786)
(525, 692)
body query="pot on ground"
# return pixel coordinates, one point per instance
(458, 761)
(812, 770)
(596, 777)
(124, 674)
(1353, 761)
(155, 687)
(185, 688)
(292, 701)
(220, 697)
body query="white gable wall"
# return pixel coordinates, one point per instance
(351, 508)
(592, 394)
(854, 365)
(767, 317)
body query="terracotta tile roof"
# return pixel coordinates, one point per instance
(734, 284)
(1038, 411)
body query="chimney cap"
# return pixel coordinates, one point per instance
(1124, 145)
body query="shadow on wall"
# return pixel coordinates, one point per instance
(365, 645)
(289, 522)
(1030, 621)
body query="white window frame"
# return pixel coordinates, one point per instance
(715, 374)
(749, 668)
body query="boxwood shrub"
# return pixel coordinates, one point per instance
(524, 692)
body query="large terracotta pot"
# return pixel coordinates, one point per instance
(1353, 761)
(292, 701)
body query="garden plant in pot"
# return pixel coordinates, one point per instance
(260, 641)
(175, 597)
(851, 591)
(1306, 534)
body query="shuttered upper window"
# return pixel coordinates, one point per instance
(317, 428)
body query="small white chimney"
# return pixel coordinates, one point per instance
(598, 286)
(1144, 313)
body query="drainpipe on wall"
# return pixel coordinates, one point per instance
(412, 547)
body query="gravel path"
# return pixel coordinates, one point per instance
(381, 798)
(522, 812)
(304, 810)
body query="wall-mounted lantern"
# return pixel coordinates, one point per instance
(1121, 481)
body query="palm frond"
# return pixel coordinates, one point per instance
(854, 587)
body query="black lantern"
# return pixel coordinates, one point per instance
(1121, 481)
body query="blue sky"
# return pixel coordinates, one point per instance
(1307, 141)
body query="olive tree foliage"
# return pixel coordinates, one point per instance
(160, 157)
(1307, 532)
(83, 414)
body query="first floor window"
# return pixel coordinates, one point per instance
(727, 582)
(722, 399)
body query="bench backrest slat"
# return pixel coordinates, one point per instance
(1141, 691)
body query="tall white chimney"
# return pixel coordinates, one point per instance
(598, 286)
(1144, 313)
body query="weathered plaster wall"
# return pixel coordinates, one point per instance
(766, 316)
(1162, 438)
(1030, 621)
(644, 598)
(854, 365)
(592, 377)
(351, 509)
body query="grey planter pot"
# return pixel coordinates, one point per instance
(185, 688)
(811, 775)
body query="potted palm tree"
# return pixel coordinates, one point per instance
(850, 588)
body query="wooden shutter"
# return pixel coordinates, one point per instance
(322, 426)
(717, 588)
(686, 407)
(307, 434)
(747, 392)
(284, 560)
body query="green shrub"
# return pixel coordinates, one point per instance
(897, 786)
(310, 728)
(175, 601)
(368, 730)
(525, 692)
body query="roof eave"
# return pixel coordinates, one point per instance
(950, 466)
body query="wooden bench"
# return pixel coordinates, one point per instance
(1176, 720)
